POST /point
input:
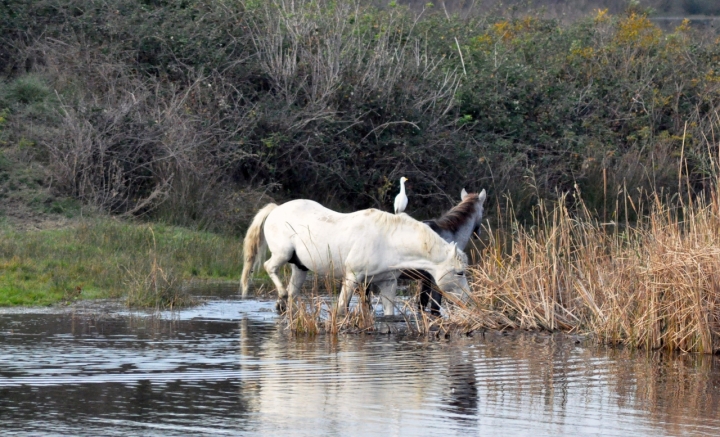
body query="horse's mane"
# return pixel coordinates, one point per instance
(455, 218)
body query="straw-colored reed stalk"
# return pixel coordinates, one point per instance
(318, 312)
(654, 283)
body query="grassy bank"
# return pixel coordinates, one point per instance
(146, 265)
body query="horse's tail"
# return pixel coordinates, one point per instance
(254, 245)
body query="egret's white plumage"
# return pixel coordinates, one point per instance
(401, 199)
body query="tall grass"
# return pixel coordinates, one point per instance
(651, 284)
(316, 312)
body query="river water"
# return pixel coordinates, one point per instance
(229, 367)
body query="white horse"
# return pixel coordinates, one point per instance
(368, 246)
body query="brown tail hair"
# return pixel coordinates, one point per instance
(253, 245)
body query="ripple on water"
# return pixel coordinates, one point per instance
(228, 367)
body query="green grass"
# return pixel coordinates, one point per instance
(144, 264)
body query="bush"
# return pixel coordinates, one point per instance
(701, 7)
(27, 90)
(169, 108)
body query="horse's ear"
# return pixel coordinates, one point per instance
(481, 196)
(463, 194)
(454, 248)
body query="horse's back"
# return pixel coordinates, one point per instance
(303, 212)
(319, 236)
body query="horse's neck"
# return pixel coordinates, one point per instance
(417, 263)
(461, 236)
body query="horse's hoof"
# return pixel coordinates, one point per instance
(280, 306)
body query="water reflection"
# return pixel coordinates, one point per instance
(462, 398)
(229, 368)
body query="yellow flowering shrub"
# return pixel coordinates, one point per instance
(637, 30)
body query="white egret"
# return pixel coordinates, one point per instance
(401, 199)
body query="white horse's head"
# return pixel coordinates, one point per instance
(451, 274)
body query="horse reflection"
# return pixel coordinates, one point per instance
(461, 398)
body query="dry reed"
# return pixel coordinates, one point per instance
(651, 284)
(318, 312)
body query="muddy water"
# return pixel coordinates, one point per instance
(228, 367)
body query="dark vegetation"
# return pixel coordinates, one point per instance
(574, 9)
(196, 112)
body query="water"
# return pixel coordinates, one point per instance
(228, 367)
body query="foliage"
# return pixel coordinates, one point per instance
(169, 108)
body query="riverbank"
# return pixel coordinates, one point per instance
(145, 265)
(650, 284)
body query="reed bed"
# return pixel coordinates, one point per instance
(315, 312)
(649, 284)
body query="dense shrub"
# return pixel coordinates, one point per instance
(183, 108)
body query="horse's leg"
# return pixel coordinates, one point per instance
(388, 291)
(350, 283)
(425, 287)
(426, 282)
(424, 294)
(429, 294)
(272, 266)
(435, 302)
(297, 279)
(371, 289)
(434, 293)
